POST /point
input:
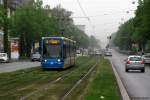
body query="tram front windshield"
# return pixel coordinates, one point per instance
(52, 50)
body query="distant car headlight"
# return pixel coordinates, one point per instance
(45, 60)
(58, 60)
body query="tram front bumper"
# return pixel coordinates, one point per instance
(52, 64)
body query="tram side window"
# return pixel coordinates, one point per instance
(65, 51)
(72, 50)
(44, 50)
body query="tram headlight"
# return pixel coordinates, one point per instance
(58, 60)
(45, 60)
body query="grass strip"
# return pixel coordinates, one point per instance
(104, 86)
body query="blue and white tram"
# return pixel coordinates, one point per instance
(57, 52)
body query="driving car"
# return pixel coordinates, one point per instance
(146, 59)
(4, 57)
(134, 62)
(36, 56)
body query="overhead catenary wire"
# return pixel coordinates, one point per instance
(88, 17)
(82, 9)
(106, 14)
(85, 15)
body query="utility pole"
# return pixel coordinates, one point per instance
(5, 27)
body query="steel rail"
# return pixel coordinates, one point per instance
(78, 82)
(45, 87)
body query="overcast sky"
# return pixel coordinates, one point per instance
(105, 15)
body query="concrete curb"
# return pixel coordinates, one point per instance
(123, 91)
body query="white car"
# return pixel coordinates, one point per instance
(4, 57)
(108, 53)
(134, 62)
(36, 56)
(146, 59)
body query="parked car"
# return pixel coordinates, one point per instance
(4, 57)
(36, 56)
(98, 53)
(146, 59)
(134, 62)
(108, 53)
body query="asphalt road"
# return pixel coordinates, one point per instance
(13, 66)
(136, 83)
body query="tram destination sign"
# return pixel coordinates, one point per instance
(53, 41)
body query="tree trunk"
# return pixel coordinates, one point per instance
(5, 29)
(29, 46)
(22, 46)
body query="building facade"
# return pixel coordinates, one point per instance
(13, 4)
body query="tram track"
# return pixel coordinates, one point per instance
(78, 82)
(61, 77)
(19, 83)
(45, 87)
(48, 96)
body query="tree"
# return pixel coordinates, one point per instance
(136, 29)
(64, 22)
(94, 42)
(29, 23)
(5, 27)
(32, 22)
(124, 35)
(1, 16)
